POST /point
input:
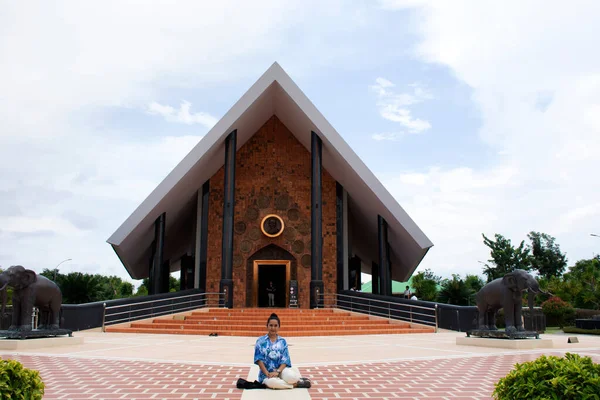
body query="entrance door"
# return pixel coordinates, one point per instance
(266, 271)
(276, 275)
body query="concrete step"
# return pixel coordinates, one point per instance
(256, 333)
(252, 322)
(282, 319)
(262, 323)
(262, 328)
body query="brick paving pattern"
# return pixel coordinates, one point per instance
(442, 378)
(449, 379)
(87, 378)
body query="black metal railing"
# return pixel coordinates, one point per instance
(153, 308)
(413, 313)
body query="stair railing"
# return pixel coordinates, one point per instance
(413, 313)
(154, 308)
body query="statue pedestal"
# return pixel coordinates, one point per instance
(35, 333)
(18, 344)
(37, 339)
(501, 339)
(498, 334)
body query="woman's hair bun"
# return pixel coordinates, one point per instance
(275, 317)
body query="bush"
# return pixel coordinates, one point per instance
(572, 329)
(558, 312)
(18, 382)
(571, 377)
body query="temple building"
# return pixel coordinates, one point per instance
(271, 194)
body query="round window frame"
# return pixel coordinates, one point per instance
(262, 225)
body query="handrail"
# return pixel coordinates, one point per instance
(176, 304)
(158, 301)
(375, 300)
(387, 309)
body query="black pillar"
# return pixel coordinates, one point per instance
(339, 229)
(385, 287)
(203, 237)
(151, 267)
(316, 236)
(226, 285)
(375, 278)
(157, 276)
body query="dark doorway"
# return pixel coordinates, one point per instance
(271, 273)
(186, 277)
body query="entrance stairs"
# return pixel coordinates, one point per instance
(253, 322)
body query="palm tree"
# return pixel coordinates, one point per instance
(80, 288)
(454, 291)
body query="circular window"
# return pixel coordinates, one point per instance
(272, 225)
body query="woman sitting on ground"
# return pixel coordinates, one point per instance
(272, 357)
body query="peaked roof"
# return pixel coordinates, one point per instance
(274, 93)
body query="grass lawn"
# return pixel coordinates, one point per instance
(553, 329)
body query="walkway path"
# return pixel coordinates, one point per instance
(426, 366)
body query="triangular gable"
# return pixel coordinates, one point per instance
(274, 93)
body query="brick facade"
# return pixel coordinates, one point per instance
(272, 177)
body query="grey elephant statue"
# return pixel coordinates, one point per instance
(31, 290)
(506, 293)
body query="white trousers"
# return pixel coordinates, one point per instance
(272, 299)
(285, 381)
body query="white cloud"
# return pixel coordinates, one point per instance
(183, 115)
(394, 106)
(390, 136)
(68, 180)
(513, 55)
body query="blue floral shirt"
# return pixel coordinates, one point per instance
(271, 354)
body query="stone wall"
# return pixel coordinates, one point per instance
(272, 177)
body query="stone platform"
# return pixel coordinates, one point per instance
(39, 343)
(500, 339)
(37, 339)
(504, 343)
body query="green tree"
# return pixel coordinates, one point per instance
(145, 284)
(425, 284)
(111, 286)
(80, 288)
(174, 286)
(504, 257)
(474, 283)
(546, 257)
(142, 291)
(583, 279)
(52, 274)
(454, 291)
(126, 289)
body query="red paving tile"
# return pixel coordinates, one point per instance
(449, 378)
(88, 378)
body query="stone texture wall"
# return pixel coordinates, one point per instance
(272, 177)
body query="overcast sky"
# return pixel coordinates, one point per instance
(478, 117)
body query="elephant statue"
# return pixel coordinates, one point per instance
(31, 290)
(506, 293)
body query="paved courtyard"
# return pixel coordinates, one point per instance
(419, 366)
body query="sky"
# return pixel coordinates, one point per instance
(478, 117)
